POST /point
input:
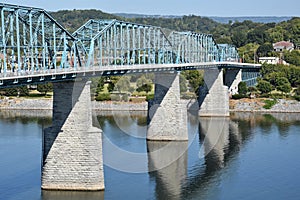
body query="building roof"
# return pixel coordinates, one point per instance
(283, 44)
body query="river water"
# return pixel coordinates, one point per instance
(246, 156)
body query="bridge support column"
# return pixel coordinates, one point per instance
(213, 96)
(232, 79)
(166, 113)
(72, 146)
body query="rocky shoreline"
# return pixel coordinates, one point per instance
(242, 105)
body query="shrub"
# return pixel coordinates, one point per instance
(149, 97)
(297, 97)
(239, 96)
(103, 97)
(269, 103)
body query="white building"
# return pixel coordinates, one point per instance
(272, 60)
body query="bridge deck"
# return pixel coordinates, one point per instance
(55, 75)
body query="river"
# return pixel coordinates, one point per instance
(246, 156)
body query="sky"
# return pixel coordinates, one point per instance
(221, 8)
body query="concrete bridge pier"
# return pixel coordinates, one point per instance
(213, 96)
(167, 115)
(72, 150)
(232, 78)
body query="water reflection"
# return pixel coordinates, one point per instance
(246, 151)
(167, 163)
(70, 195)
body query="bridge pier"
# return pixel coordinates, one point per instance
(232, 79)
(213, 96)
(167, 115)
(72, 151)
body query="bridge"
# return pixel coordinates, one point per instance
(35, 48)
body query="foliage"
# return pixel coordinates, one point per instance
(283, 85)
(269, 103)
(103, 97)
(298, 90)
(16, 91)
(144, 84)
(242, 88)
(264, 49)
(149, 97)
(146, 87)
(44, 88)
(239, 96)
(195, 79)
(123, 84)
(264, 86)
(292, 57)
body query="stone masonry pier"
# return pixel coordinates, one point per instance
(72, 147)
(167, 114)
(213, 96)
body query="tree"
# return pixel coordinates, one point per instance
(283, 85)
(264, 49)
(264, 86)
(144, 84)
(239, 38)
(194, 78)
(298, 90)
(44, 88)
(123, 84)
(242, 88)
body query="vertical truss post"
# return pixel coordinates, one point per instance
(43, 42)
(115, 44)
(3, 42)
(139, 45)
(18, 41)
(31, 41)
(12, 42)
(54, 48)
(133, 44)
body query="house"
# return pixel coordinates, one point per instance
(283, 45)
(272, 60)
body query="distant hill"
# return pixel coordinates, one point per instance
(257, 19)
(224, 20)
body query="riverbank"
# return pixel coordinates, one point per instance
(242, 105)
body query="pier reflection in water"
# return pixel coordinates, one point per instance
(168, 164)
(246, 156)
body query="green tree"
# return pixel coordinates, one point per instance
(264, 86)
(194, 78)
(298, 90)
(144, 84)
(44, 88)
(123, 84)
(242, 88)
(264, 49)
(283, 85)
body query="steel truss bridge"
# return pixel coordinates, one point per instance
(35, 48)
